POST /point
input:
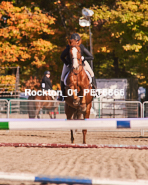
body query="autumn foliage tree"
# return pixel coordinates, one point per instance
(25, 40)
(122, 38)
(34, 33)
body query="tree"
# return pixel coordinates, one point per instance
(34, 33)
(25, 40)
(121, 33)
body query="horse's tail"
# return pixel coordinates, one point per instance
(31, 107)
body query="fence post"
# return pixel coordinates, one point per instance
(99, 106)
(143, 109)
(8, 107)
(59, 110)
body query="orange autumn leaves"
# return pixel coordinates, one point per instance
(7, 82)
(21, 36)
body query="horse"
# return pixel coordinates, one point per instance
(78, 105)
(35, 107)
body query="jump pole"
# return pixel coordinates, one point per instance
(55, 145)
(66, 180)
(62, 124)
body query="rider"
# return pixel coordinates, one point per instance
(67, 62)
(46, 84)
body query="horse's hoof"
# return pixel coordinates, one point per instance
(72, 142)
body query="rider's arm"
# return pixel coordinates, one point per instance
(43, 84)
(65, 54)
(87, 54)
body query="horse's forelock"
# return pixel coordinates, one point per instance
(72, 42)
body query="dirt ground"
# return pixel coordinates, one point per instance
(117, 164)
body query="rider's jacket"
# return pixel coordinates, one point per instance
(46, 84)
(65, 56)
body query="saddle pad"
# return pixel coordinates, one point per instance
(88, 74)
(66, 78)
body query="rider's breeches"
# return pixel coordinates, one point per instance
(64, 71)
(86, 67)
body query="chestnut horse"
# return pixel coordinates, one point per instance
(77, 106)
(35, 107)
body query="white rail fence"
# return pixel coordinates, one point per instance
(19, 108)
(4, 108)
(118, 109)
(145, 109)
(23, 108)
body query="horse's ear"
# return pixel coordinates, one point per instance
(79, 42)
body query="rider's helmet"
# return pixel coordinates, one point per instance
(75, 36)
(47, 73)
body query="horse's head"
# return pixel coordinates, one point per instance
(75, 53)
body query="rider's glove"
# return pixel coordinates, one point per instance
(83, 59)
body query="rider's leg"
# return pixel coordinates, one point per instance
(60, 98)
(64, 71)
(89, 69)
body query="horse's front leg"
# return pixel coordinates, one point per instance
(86, 115)
(38, 107)
(72, 136)
(70, 113)
(84, 136)
(50, 115)
(38, 115)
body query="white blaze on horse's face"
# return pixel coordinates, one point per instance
(75, 58)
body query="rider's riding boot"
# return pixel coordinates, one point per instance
(94, 84)
(60, 98)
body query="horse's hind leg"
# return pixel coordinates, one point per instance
(54, 114)
(38, 115)
(86, 115)
(50, 114)
(38, 107)
(55, 111)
